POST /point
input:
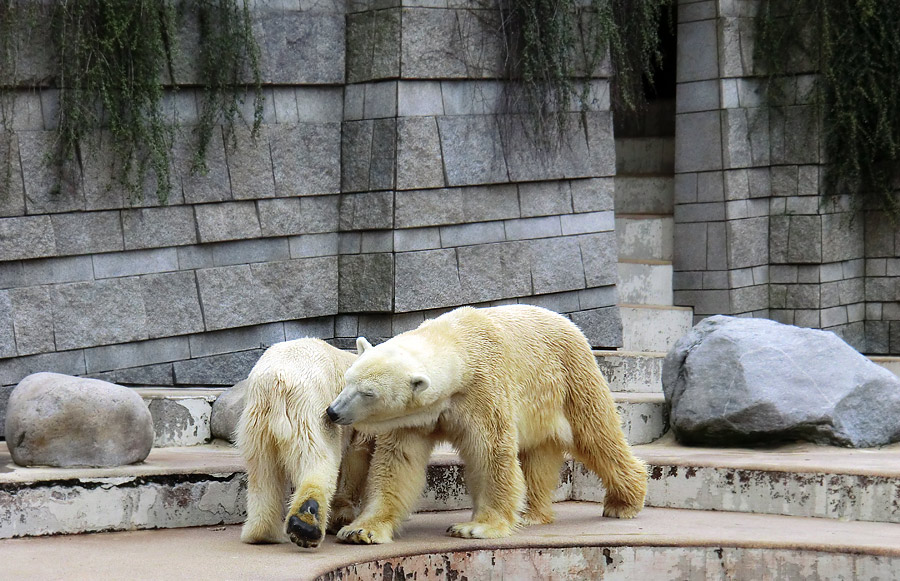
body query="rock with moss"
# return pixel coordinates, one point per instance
(59, 420)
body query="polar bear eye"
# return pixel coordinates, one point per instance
(367, 393)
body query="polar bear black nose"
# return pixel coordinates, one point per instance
(332, 415)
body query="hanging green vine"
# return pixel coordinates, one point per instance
(553, 44)
(111, 59)
(854, 46)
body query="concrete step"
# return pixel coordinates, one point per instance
(205, 485)
(660, 544)
(645, 282)
(630, 371)
(653, 328)
(644, 193)
(645, 236)
(645, 155)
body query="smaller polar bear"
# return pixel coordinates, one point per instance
(513, 388)
(285, 438)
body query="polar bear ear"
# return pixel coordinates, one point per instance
(419, 382)
(361, 345)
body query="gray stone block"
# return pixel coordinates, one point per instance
(44, 191)
(419, 160)
(698, 142)
(226, 369)
(472, 97)
(203, 184)
(249, 251)
(12, 189)
(545, 198)
(57, 420)
(418, 98)
(417, 239)
(172, 304)
(598, 255)
(365, 283)
(486, 203)
(118, 264)
(556, 265)
(602, 327)
(87, 314)
(426, 280)
(85, 233)
(748, 242)
(367, 211)
(13, 369)
(226, 412)
(236, 296)
(250, 164)
(349, 243)
(697, 51)
(373, 45)
(310, 245)
(530, 228)
(716, 246)
(587, 223)
(451, 44)
(494, 271)
(354, 102)
(749, 299)
(100, 172)
(559, 302)
(592, 195)
(231, 340)
(26, 237)
(698, 96)
(376, 241)
(842, 237)
(315, 39)
(474, 233)
(690, 246)
(356, 152)
(383, 160)
(319, 104)
(380, 100)
(308, 215)
(317, 327)
(32, 321)
(227, 221)
(306, 158)
(708, 212)
(346, 326)
(472, 150)
(428, 208)
(375, 327)
(157, 227)
(129, 355)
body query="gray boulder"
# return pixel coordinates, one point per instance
(226, 411)
(60, 420)
(734, 381)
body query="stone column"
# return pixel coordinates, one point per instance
(754, 235)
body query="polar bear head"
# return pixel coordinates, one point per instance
(396, 384)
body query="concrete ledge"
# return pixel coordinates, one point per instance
(658, 544)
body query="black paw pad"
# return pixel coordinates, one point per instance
(303, 533)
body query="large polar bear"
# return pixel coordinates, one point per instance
(285, 438)
(513, 388)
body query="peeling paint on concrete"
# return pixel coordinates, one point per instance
(115, 504)
(182, 421)
(614, 563)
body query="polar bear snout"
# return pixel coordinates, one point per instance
(336, 417)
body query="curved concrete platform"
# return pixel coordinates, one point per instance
(658, 544)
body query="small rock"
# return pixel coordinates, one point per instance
(226, 411)
(59, 420)
(736, 381)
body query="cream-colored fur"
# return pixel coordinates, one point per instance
(513, 388)
(286, 439)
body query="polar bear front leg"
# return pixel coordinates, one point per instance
(396, 479)
(351, 481)
(495, 481)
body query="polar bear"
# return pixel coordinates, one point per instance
(513, 388)
(285, 438)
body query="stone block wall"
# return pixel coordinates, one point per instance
(754, 235)
(384, 188)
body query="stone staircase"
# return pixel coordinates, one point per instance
(644, 201)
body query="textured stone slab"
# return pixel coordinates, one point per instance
(306, 158)
(158, 227)
(602, 327)
(426, 280)
(26, 237)
(419, 158)
(222, 370)
(313, 38)
(631, 372)
(473, 150)
(59, 420)
(451, 44)
(366, 283)
(179, 420)
(655, 329)
(228, 221)
(172, 304)
(556, 265)
(489, 272)
(32, 320)
(86, 314)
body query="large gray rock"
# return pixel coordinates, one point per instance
(59, 420)
(226, 411)
(736, 381)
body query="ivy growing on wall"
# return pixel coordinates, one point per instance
(854, 47)
(113, 59)
(552, 45)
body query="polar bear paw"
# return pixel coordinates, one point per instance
(479, 530)
(340, 517)
(304, 528)
(618, 509)
(365, 534)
